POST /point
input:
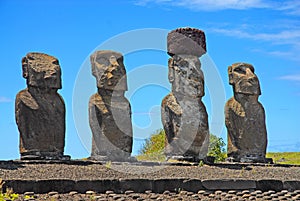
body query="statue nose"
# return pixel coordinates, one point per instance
(249, 73)
(251, 77)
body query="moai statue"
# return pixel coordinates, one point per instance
(184, 115)
(109, 110)
(40, 110)
(245, 116)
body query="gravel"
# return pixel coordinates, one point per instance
(183, 195)
(96, 171)
(126, 171)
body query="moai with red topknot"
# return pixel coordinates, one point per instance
(184, 115)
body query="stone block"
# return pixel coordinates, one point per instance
(99, 186)
(192, 185)
(136, 185)
(172, 185)
(228, 184)
(291, 185)
(269, 184)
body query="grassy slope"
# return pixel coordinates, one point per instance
(285, 157)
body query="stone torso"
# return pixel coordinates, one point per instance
(41, 122)
(246, 126)
(186, 126)
(111, 126)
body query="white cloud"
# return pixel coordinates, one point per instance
(208, 5)
(291, 6)
(290, 55)
(283, 37)
(279, 31)
(146, 2)
(282, 54)
(220, 4)
(5, 99)
(289, 37)
(291, 77)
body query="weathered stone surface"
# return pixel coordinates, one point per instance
(228, 184)
(138, 185)
(245, 116)
(111, 187)
(184, 116)
(269, 184)
(59, 185)
(291, 185)
(192, 185)
(40, 110)
(109, 110)
(188, 41)
(102, 185)
(161, 185)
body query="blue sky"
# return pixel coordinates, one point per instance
(265, 33)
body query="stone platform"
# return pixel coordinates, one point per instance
(82, 176)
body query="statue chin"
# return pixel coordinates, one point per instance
(249, 91)
(48, 84)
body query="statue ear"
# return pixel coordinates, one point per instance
(230, 75)
(171, 70)
(92, 60)
(25, 67)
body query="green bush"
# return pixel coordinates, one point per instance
(217, 148)
(153, 148)
(156, 143)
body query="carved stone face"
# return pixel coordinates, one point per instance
(243, 79)
(186, 76)
(109, 70)
(41, 71)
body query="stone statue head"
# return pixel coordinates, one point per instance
(41, 71)
(186, 76)
(109, 70)
(243, 79)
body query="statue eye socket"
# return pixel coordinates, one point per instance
(55, 62)
(240, 70)
(103, 60)
(184, 64)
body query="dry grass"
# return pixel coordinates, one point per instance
(292, 158)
